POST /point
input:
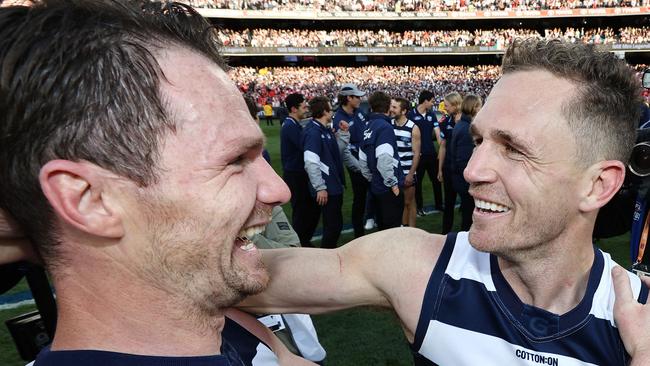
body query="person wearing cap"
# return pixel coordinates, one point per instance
(427, 122)
(379, 161)
(349, 99)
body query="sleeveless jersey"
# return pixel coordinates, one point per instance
(471, 316)
(404, 140)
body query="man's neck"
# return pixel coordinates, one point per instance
(421, 108)
(554, 278)
(348, 109)
(133, 318)
(322, 121)
(401, 120)
(294, 116)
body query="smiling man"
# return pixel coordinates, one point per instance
(119, 162)
(525, 285)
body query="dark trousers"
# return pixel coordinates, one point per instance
(359, 190)
(388, 208)
(466, 201)
(450, 202)
(332, 221)
(269, 120)
(428, 163)
(305, 211)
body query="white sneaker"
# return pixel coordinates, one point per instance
(370, 224)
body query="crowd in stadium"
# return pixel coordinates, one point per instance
(413, 5)
(406, 81)
(499, 38)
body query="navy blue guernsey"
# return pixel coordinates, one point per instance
(290, 147)
(105, 358)
(379, 138)
(320, 147)
(357, 122)
(461, 145)
(471, 316)
(447, 124)
(426, 123)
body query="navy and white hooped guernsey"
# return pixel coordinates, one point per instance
(471, 316)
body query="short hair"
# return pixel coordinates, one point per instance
(379, 102)
(470, 105)
(319, 105)
(453, 98)
(425, 95)
(252, 106)
(604, 113)
(80, 81)
(293, 101)
(403, 103)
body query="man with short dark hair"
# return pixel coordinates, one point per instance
(120, 162)
(526, 283)
(426, 120)
(324, 169)
(303, 208)
(349, 99)
(379, 161)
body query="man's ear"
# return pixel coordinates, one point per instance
(77, 193)
(602, 182)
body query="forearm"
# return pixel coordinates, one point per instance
(8, 227)
(441, 155)
(264, 334)
(315, 177)
(386, 168)
(15, 249)
(363, 166)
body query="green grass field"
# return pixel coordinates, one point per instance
(353, 337)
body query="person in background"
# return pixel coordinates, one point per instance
(303, 207)
(426, 120)
(324, 168)
(379, 162)
(407, 136)
(453, 113)
(349, 99)
(460, 151)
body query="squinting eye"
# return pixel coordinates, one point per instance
(239, 160)
(511, 149)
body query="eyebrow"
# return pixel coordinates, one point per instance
(507, 137)
(512, 140)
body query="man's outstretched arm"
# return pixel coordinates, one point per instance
(13, 246)
(632, 318)
(389, 268)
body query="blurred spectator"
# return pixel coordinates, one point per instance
(498, 39)
(403, 81)
(411, 5)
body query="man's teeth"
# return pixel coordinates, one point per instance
(248, 246)
(489, 206)
(250, 232)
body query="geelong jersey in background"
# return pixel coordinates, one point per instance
(357, 122)
(404, 141)
(290, 146)
(427, 124)
(471, 316)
